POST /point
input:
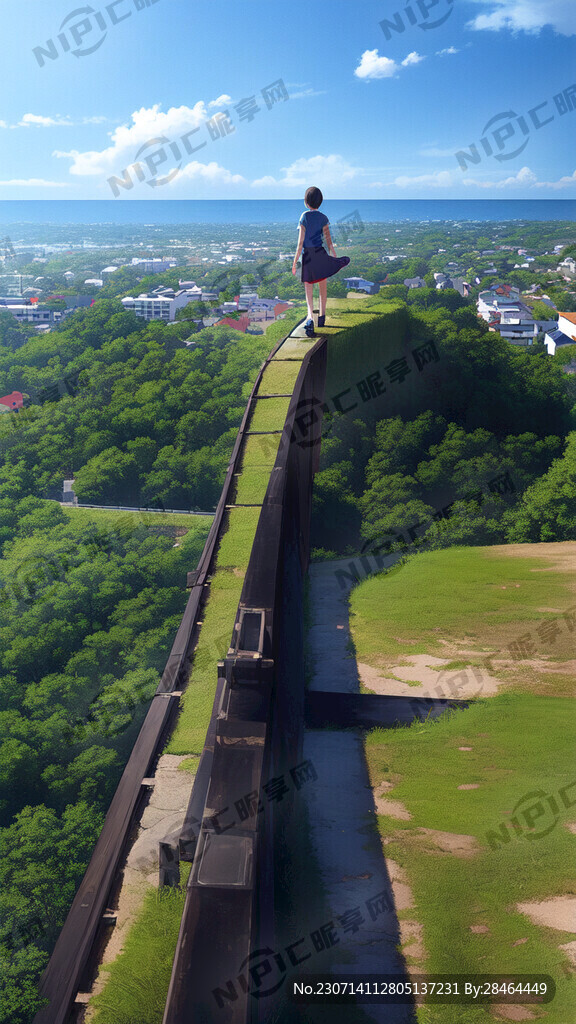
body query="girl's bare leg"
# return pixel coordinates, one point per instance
(309, 289)
(323, 289)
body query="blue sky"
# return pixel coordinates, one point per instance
(367, 113)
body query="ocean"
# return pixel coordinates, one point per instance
(277, 211)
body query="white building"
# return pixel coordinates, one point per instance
(31, 314)
(555, 340)
(154, 306)
(517, 325)
(152, 265)
(567, 324)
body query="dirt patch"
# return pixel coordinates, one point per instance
(571, 826)
(479, 929)
(393, 808)
(403, 898)
(470, 785)
(505, 1012)
(559, 913)
(451, 842)
(423, 675)
(411, 940)
(559, 554)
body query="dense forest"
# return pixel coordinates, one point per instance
(124, 407)
(90, 602)
(492, 461)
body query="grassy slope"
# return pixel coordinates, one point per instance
(522, 743)
(479, 598)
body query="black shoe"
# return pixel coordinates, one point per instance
(309, 328)
(321, 321)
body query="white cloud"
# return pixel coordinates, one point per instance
(147, 124)
(436, 151)
(40, 121)
(569, 179)
(412, 58)
(372, 65)
(323, 170)
(306, 94)
(220, 102)
(212, 174)
(448, 50)
(526, 16)
(34, 183)
(3, 124)
(442, 179)
(524, 178)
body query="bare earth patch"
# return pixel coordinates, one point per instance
(470, 785)
(559, 912)
(505, 1012)
(403, 898)
(451, 842)
(411, 940)
(432, 678)
(393, 808)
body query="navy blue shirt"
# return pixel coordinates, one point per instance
(314, 222)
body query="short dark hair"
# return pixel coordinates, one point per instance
(313, 197)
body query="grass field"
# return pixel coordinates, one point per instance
(487, 793)
(105, 517)
(470, 604)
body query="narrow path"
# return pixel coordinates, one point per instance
(341, 808)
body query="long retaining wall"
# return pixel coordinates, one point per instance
(257, 722)
(63, 977)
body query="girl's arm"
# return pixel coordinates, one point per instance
(299, 247)
(329, 241)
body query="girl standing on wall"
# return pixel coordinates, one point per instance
(317, 264)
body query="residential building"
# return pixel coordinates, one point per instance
(567, 324)
(556, 339)
(360, 284)
(415, 282)
(152, 265)
(161, 305)
(567, 266)
(26, 313)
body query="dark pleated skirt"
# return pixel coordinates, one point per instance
(317, 264)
